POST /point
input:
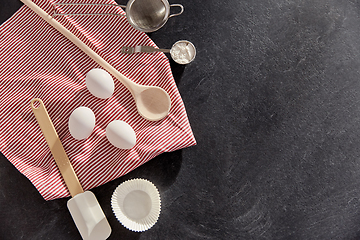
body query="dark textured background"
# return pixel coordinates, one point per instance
(273, 98)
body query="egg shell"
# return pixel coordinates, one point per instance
(120, 134)
(81, 123)
(100, 83)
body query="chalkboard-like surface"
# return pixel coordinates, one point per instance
(273, 98)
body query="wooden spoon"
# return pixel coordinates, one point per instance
(153, 103)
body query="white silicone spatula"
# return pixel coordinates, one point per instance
(83, 206)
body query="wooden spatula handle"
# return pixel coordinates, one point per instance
(57, 150)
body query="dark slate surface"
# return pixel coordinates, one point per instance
(273, 98)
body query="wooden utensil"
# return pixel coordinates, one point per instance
(153, 103)
(83, 206)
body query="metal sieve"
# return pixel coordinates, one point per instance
(143, 15)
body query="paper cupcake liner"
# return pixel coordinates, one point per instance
(136, 204)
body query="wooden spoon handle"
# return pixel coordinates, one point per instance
(69, 35)
(57, 150)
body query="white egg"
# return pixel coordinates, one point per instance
(100, 83)
(81, 123)
(120, 134)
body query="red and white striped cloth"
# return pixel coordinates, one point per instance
(38, 62)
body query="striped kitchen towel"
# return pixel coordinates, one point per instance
(38, 62)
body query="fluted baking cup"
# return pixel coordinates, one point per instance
(136, 204)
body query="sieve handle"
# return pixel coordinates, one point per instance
(181, 10)
(87, 14)
(56, 148)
